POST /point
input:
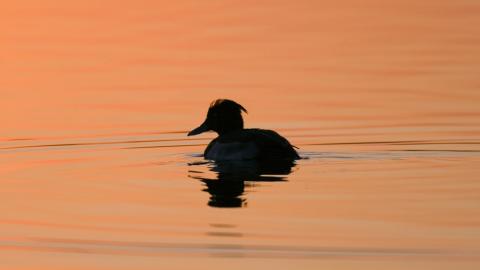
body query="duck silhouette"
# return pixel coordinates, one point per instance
(234, 142)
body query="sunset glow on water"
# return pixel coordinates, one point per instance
(381, 98)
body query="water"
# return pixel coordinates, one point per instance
(381, 98)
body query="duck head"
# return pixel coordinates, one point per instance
(223, 116)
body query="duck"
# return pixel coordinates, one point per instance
(234, 142)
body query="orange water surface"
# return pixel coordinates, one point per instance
(381, 97)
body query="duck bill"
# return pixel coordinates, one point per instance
(202, 128)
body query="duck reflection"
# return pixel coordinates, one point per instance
(226, 181)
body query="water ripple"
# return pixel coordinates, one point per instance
(92, 246)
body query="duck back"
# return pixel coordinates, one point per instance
(247, 144)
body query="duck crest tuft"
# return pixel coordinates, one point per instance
(228, 104)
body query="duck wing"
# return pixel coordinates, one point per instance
(270, 144)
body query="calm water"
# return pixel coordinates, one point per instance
(382, 99)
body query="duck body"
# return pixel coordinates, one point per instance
(247, 144)
(237, 143)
